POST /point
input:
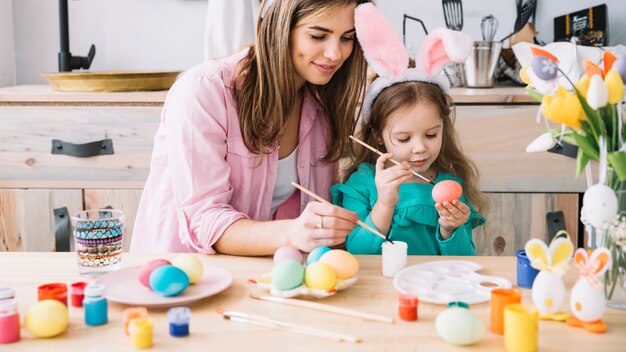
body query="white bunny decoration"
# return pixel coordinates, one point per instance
(548, 291)
(385, 53)
(587, 300)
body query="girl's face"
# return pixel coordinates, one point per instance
(320, 45)
(414, 134)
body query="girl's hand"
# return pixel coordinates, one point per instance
(451, 216)
(321, 224)
(388, 181)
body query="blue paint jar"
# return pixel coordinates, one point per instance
(95, 305)
(525, 273)
(179, 321)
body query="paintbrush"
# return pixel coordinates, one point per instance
(392, 160)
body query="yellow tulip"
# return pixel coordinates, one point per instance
(563, 107)
(583, 85)
(523, 75)
(615, 86)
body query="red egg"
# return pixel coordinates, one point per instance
(148, 268)
(447, 190)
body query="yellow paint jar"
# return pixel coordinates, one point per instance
(521, 328)
(140, 330)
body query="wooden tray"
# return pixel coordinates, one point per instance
(111, 81)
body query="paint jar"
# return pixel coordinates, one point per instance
(56, 291)
(9, 316)
(394, 257)
(407, 307)
(132, 313)
(77, 293)
(500, 298)
(521, 324)
(525, 273)
(140, 330)
(179, 321)
(95, 305)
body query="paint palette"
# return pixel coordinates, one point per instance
(442, 282)
(265, 283)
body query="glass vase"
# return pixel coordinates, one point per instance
(615, 278)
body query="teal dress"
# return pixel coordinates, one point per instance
(415, 219)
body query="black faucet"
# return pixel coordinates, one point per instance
(67, 62)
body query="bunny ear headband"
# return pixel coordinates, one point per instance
(385, 53)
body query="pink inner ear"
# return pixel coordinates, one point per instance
(435, 57)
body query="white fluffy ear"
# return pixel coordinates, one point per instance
(382, 48)
(443, 45)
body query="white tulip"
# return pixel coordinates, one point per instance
(597, 94)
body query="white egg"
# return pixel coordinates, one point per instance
(600, 203)
(548, 292)
(587, 303)
(459, 326)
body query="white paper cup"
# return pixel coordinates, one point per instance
(394, 257)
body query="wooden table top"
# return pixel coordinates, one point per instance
(372, 293)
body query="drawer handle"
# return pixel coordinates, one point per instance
(103, 147)
(61, 230)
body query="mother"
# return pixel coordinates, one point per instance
(236, 132)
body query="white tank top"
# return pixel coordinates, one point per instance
(287, 172)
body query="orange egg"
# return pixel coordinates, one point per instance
(344, 263)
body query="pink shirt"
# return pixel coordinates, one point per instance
(202, 176)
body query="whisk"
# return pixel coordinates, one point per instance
(489, 27)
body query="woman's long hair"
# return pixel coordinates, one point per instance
(451, 158)
(264, 86)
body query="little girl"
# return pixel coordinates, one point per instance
(408, 116)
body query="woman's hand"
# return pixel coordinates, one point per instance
(388, 181)
(451, 216)
(321, 224)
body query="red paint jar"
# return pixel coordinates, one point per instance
(57, 291)
(77, 293)
(407, 307)
(9, 321)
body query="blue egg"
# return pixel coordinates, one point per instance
(316, 254)
(544, 68)
(168, 280)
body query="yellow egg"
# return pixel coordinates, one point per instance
(321, 276)
(344, 263)
(46, 318)
(191, 265)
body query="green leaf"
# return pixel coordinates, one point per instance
(534, 94)
(592, 116)
(617, 160)
(581, 162)
(584, 143)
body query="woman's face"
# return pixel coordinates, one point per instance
(320, 45)
(414, 134)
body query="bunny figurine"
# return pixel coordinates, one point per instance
(548, 291)
(587, 301)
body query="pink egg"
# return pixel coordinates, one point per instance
(287, 252)
(148, 268)
(447, 190)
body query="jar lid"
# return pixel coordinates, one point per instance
(140, 325)
(7, 292)
(78, 287)
(8, 307)
(94, 290)
(179, 315)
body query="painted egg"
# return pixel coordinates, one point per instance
(146, 270)
(287, 252)
(543, 68)
(447, 190)
(344, 263)
(316, 254)
(287, 274)
(459, 326)
(548, 292)
(321, 276)
(586, 302)
(600, 205)
(46, 318)
(620, 66)
(168, 280)
(191, 265)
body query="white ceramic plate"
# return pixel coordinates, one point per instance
(442, 282)
(123, 286)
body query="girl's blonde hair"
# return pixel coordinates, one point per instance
(264, 86)
(451, 158)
